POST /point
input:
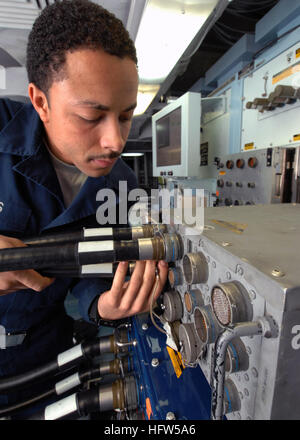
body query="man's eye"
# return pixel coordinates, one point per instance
(91, 121)
(125, 118)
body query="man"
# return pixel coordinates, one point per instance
(55, 155)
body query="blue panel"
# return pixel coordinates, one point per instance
(200, 86)
(236, 111)
(277, 18)
(188, 397)
(276, 49)
(241, 52)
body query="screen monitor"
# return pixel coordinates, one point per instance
(176, 137)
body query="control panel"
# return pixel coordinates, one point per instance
(271, 102)
(234, 303)
(257, 177)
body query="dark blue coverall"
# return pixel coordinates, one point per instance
(31, 203)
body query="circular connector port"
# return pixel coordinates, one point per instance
(173, 247)
(192, 299)
(190, 346)
(237, 358)
(231, 303)
(173, 308)
(175, 276)
(195, 268)
(232, 401)
(206, 325)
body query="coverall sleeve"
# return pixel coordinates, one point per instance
(86, 290)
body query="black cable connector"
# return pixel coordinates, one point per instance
(88, 401)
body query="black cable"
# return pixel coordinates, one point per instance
(85, 375)
(47, 239)
(256, 9)
(13, 408)
(244, 12)
(222, 38)
(236, 14)
(226, 35)
(21, 380)
(238, 10)
(262, 2)
(36, 256)
(254, 6)
(240, 31)
(74, 254)
(63, 361)
(90, 234)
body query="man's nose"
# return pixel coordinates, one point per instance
(111, 136)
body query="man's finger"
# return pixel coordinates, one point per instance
(119, 279)
(32, 280)
(163, 269)
(142, 287)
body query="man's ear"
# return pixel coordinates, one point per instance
(39, 101)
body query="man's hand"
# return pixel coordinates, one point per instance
(20, 279)
(128, 298)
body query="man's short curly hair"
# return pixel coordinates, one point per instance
(67, 26)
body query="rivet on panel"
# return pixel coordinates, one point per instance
(278, 273)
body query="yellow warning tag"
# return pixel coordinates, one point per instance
(296, 137)
(176, 361)
(249, 146)
(238, 228)
(222, 173)
(298, 53)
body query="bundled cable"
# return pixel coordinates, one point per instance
(93, 234)
(85, 373)
(74, 254)
(166, 247)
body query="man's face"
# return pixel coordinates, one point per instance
(90, 112)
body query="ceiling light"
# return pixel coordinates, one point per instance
(146, 93)
(166, 30)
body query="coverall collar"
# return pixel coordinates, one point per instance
(23, 136)
(23, 133)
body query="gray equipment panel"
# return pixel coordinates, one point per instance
(256, 247)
